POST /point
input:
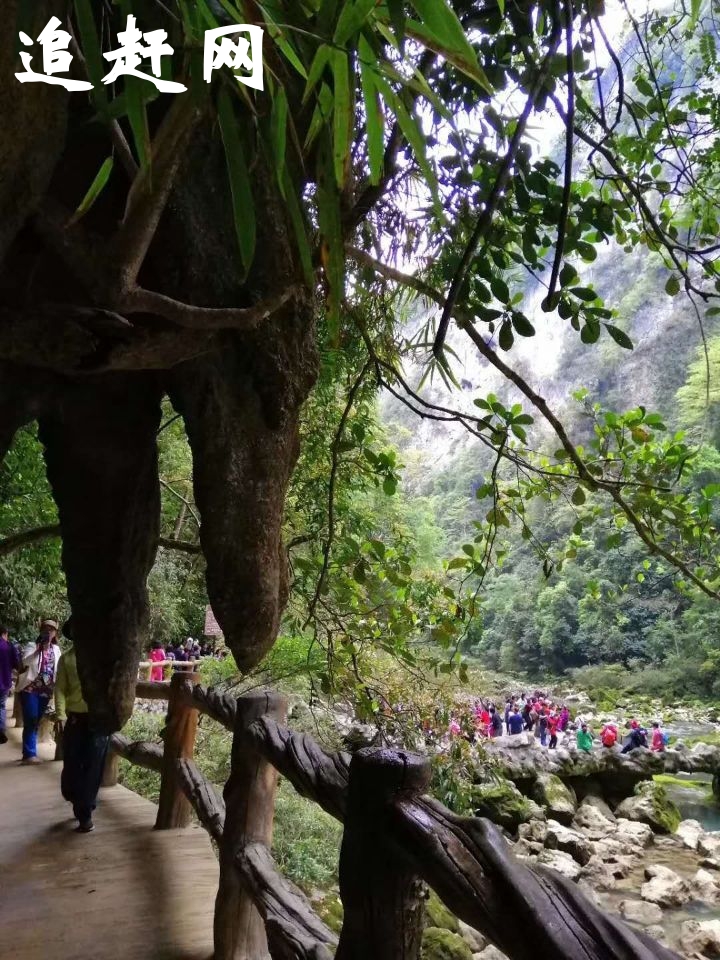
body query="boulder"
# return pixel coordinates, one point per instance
(710, 863)
(664, 887)
(559, 837)
(534, 831)
(439, 944)
(709, 845)
(561, 862)
(558, 799)
(690, 832)
(490, 953)
(658, 933)
(597, 874)
(502, 802)
(438, 915)
(651, 805)
(527, 848)
(700, 937)
(472, 937)
(704, 887)
(597, 802)
(641, 912)
(635, 835)
(593, 822)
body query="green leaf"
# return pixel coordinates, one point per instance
(352, 17)
(92, 52)
(342, 116)
(584, 293)
(506, 338)
(578, 496)
(522, 325)
(94, 191)
(299, 225)
(694, 11)
(590, 332)
(317, 67)
(500, 289)
(332, 249)
(389, 486)
(242, 199)
(620, 338)
(672, 286)
(375, 122)
(278, 127)
(441, 31)
(456, 563)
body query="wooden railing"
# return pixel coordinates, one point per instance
(395, 837)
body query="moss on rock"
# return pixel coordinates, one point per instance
(666, 814)
(559, 799)
(438, 944)
(330, 910)
(502, 803)
(438, 915)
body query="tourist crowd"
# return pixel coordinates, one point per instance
(549, 721)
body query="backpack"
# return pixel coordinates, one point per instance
(666, 739)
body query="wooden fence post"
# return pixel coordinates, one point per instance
(174, 809)
(382, 896)
(249, 808)
(110, 770)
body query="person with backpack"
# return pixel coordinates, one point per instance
(609, 735)
(9, 661)
(658, 739)
(636, 739)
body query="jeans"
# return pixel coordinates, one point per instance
(3, 711)
(84, 752)
(33, 706)
(543, 737)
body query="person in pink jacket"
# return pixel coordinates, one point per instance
(658, 738)
(157, 655)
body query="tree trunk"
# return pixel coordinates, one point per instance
(101, 455)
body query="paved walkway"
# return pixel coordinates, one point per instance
(123, 892)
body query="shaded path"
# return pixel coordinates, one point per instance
(123, 891)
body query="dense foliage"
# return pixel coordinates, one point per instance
(430, 221)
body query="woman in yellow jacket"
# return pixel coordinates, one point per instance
(84, 748)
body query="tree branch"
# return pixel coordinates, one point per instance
(27, 538)
(496, 191)
(204, 318)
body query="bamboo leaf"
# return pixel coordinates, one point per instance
(413, 134)
(94, 191)
(278, 125)
(91, 51)
(300, 229)
(435, 31)
(352, 17)
(332, 249)
(373, 114)
(320, 61)
(242, 200)
(342, 116)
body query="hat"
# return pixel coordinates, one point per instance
(49, 623)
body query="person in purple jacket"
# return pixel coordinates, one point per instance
(9, 661)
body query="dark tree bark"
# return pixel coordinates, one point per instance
(101, 453)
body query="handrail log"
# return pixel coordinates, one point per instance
(218, 706)
(315, 773)
(152, 689)
(469, 865)
(142, 753)
(179, 736)
(294, 930)
(206, 801)
(528, 913)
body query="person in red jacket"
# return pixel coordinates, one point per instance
(609, 735)
(553, 725)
